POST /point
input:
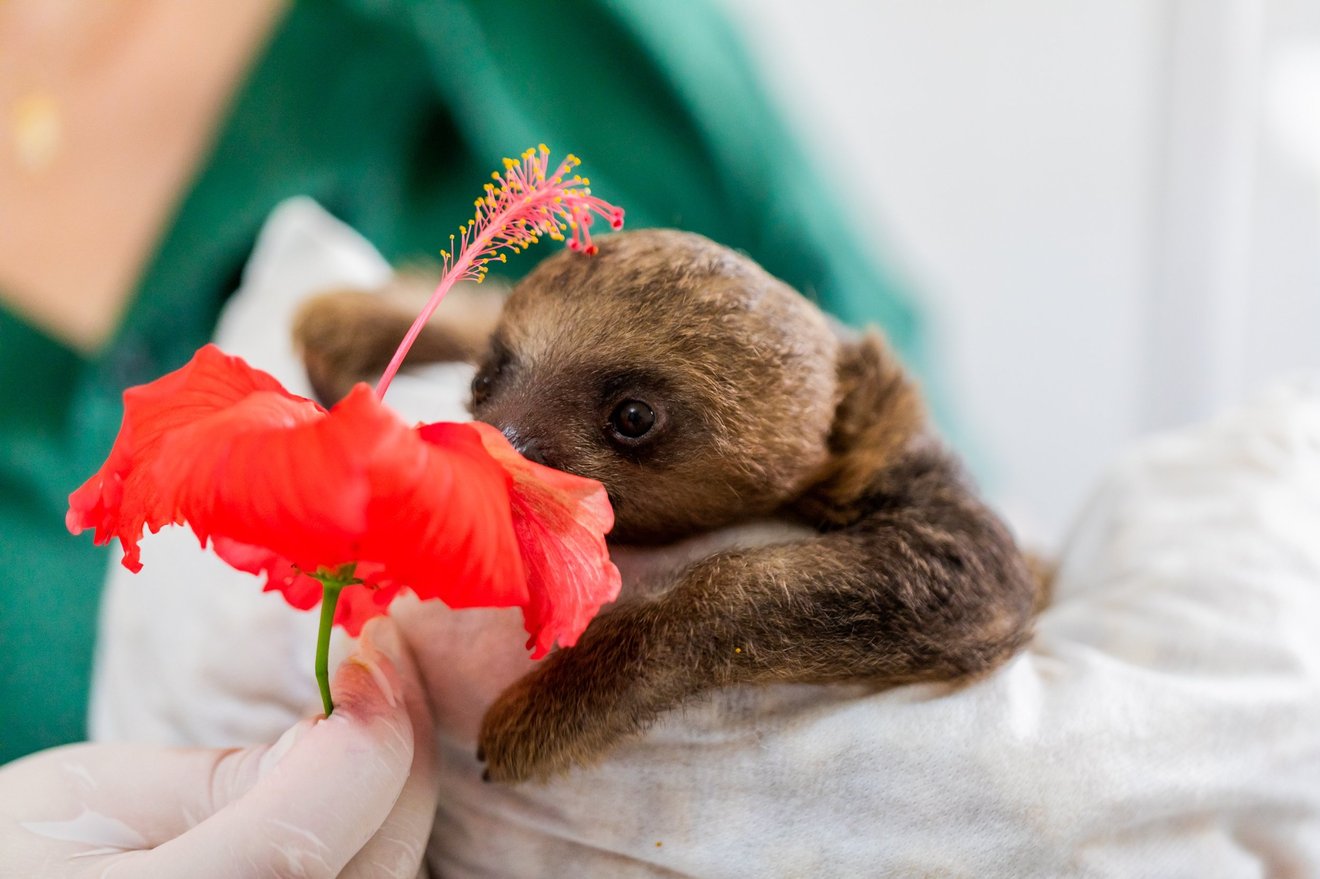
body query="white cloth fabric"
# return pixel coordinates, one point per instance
(1164, 722)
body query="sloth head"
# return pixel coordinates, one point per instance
(697, 388)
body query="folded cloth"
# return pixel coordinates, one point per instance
(1164, 721)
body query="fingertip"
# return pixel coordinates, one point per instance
(382, 636)
(367, 684)
(382, 633)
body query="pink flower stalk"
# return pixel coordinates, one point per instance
(528, 202)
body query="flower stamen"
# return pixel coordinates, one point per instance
(526, 202)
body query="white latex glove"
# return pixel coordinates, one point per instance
(345, 796)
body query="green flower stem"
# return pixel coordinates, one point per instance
(329, 599)
(332, 583)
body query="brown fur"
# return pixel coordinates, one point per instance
(762, 408)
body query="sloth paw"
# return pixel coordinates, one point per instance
(567, 713)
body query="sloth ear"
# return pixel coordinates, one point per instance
(348, 336)
(878, 416)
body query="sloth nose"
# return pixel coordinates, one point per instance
(531, 450)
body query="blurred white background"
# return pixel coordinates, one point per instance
(1111, 208)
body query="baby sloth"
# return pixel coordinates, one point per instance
(703, 393)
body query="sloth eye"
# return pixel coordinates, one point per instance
(481, 385)
(632, 419)
(489, 372)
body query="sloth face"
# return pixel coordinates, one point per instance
(698, 389)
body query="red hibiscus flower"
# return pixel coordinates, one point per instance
(281, 487)
(350, 506)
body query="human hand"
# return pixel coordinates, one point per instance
(349, 795)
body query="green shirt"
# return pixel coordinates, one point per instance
(392, 114)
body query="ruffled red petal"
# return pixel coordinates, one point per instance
(123, 497)
(561, 521)
(473, 537)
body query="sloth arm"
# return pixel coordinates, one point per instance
(348, 336)
(924, 584)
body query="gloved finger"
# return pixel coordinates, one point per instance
(310, 809)
(398, 847)
(67, 810)
(86, 808)
(80, 804)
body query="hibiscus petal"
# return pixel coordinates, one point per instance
(561, 521)
(469, 555)
(360, 602)
(300, 590)
(258, 474)
(354, 486)
(123, 497)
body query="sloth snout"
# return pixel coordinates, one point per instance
(530, 448)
